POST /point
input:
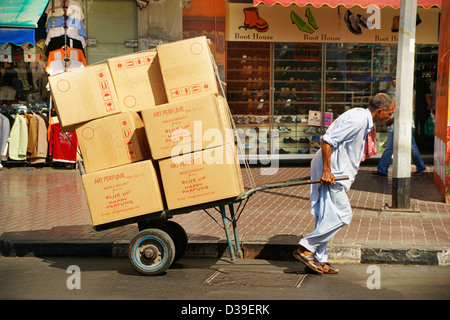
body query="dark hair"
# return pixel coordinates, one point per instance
(381, 100)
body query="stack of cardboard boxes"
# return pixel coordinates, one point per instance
(152, 129)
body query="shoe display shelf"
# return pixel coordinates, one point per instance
(248, 79)
(427, 60)
(254, 139)
(297, 82)
(348, 77)
(295, 136)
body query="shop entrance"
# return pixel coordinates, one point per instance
(283, 96)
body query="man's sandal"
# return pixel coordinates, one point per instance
(308, 260)
(328, 268)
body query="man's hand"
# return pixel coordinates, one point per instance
(327, 177)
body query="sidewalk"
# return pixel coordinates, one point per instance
(43, 212)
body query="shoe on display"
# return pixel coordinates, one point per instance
(284, 129)
(278, 119)
(281, 151)
(304, 140)
(310, 130)
(303, 150)
(260, 104)
(289, 140)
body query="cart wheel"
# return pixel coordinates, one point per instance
(179, 237)
(151, 252)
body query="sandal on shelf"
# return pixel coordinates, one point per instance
(328, 268)
(308, 260)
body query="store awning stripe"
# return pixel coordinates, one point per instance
(348, 4)
(21, 13)
(17, 36)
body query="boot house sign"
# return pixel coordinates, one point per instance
(316, 25)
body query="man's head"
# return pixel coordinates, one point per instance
(382, 108)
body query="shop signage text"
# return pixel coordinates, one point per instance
(325, 24)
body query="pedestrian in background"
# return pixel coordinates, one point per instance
(423, 108)
(385, 160)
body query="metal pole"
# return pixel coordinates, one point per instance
(223, 212)
(401, 178)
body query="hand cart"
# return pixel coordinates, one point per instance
(160, 242)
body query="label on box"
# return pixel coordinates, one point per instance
(138, 80)
(185, 126)
(122, 192)
(187, 68)
(201, 177)
(83, 94)
(112, 141)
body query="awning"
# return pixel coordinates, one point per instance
(18, 20)
(348, 3)
(17, 36)
(21, 13)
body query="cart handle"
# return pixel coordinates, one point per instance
(288, 183)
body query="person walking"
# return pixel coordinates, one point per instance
(385, 160)
(343, 147)
(423, 109)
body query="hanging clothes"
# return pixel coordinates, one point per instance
(6, 53)
(32, 136)
(41, 141)
(56, 63)
(73, 9)
(5, 129)
(64, 21)
(59, 42)
(62, 145)
(18, 139)
(70, 33)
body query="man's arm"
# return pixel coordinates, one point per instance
(327, 177)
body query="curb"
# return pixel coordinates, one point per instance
(219, 249)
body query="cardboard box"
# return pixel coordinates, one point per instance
(186, 126)
(138, 80)
(112, 141)
(123, 192)
(187, 68)
(83, 94)
(201, 177)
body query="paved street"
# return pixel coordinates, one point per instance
(216, 279)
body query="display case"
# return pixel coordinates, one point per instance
(248, 79)
(348, 77)
(283, 96)
(297, 83)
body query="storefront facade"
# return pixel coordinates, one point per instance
(292, 70)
